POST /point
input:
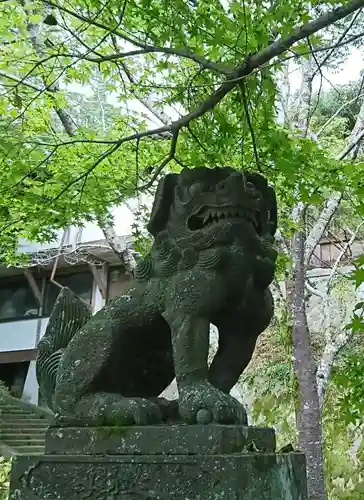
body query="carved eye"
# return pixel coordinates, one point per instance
(181, 192)
(252, 191)
(195, 189)
(222, 187)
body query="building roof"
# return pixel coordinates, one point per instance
(97, 252)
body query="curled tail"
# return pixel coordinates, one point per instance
(69, 314)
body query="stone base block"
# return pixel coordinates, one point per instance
(182, 462)
(250, 476)
(159, 440)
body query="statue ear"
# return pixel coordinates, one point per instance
(272, 210)
(259, 181)
(162, 203)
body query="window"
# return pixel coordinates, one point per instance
(79, 283)
(117, 281)
(17, 300)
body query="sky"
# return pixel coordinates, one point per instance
(350, 71)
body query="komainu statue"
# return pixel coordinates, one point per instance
(211, 261)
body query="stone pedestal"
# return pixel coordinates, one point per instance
(214, 462)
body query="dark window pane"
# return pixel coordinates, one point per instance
(17, 300)
(118, 281)
(79, 283)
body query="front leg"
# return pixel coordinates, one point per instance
(233, 355)
(238, 334)
(199, 401)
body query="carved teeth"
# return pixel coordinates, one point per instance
(211, 216)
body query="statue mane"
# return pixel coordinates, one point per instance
(166, 259)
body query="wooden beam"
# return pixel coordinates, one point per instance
(18, 356)
(99, 277)
(33, 285)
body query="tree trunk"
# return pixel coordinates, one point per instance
(324, 369)
(309, 418)
(308, 413)
(304, 104)
(125, 254)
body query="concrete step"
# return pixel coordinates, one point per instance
(22, 430)
(17, 426)
(20, 415)
(4, 406)
(23, 436)
(5, 413)
(19, 442)
(30, 450)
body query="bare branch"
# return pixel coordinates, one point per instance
(342, 37)
(336, 45)
(314, 290)
(319, 228)
(170, 157)
(345, 248)
(19, 81)
(148, 49)
(327, 123)
(334, 201)
(351, 145)
(305, 31)
(121, 250)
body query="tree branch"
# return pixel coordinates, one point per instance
(320, 226)
(345, 248)
(342, 37)
(334, 201)
(305, 31)
(170, 157)
(145, 47)
(149, 49)
(19, 81)
(246, 68)
(327, 123)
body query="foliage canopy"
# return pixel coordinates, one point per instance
(211, 66)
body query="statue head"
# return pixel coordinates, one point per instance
(204, 207)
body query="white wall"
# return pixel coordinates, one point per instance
(21, 335)
(31, 388)
(25, 334)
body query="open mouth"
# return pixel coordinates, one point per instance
(207, 217)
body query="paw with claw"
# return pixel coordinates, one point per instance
(113, 409)
(202, 403)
